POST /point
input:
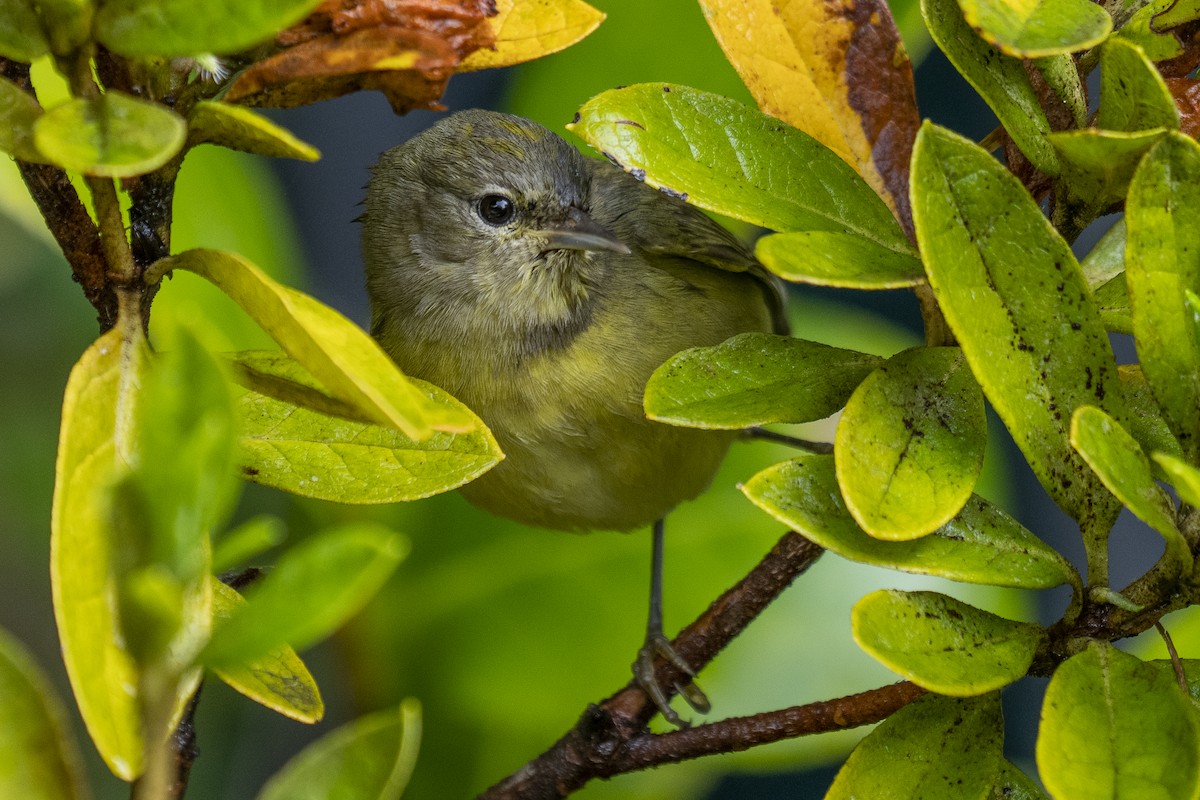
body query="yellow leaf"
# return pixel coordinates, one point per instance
(837, 71)
(94, 440)
(338, 353)
(279, 680)
(529, 29)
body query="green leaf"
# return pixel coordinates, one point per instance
(316, 586)
(18, 112)
(254, 536)
(1116, 457)
(150, 607)
(21, 35)
(938, 748)
(1062, 77)
(1112, 300)
(239, 128)
(96, 435)
(981, 544)
(1177, 13)
(1000, 80)
(1113, 726)
(826, 258)
(910, 443)
(1145, 419)
(347, 362)
(1015, 298)
(735, 160)
(185, 469)
(179, 483)
(1041, 28)
(1106, 260)
(1182, 475)
(754, 379)
(310, 453)
(1144, 31)
(1162, 260)
(67, 23)
(1133, 95)
(114, 135)
(1013, 784)
(38, 760)
(1097, 165)
(943, 644)
(371, 757)
(1191, 673)
(278, 680)
(184, 28)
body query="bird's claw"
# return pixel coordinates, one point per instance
(644, 674)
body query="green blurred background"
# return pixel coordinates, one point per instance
(504, 633)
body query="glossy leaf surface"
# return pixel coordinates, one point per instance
(754, 379)
(844, 260)
(529, 29)
(851, 87)
(943, 644)
(296, 438)
(910, 443)
(1162, 261)
(1015, 297)
(981, 544)
(734, 160)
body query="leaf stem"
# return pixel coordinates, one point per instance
(758, 432)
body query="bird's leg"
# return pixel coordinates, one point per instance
(657, 644)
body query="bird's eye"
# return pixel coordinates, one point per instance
(496, 209)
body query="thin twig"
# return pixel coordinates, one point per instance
(765, 435)
(1180, 675)
(67, 218)
(606, 731)
(739, 733)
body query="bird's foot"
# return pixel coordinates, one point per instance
(657, 644)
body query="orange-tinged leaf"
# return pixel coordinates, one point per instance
(529, 29)
(407, 49)
(837, 71)
(410, 68)
(1186, 92)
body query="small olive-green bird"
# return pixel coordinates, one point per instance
(542, 288)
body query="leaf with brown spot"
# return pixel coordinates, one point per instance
(1186, 92)
(407, 49)
(851, 87)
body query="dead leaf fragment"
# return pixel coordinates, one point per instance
(407, 49)
(1186, 92)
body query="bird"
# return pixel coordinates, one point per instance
(542, 288)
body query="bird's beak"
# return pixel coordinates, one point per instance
(580, 232)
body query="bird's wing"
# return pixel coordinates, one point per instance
(664, 225)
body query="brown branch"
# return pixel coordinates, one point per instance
(67, 219)
(611, 737)
(740, 733)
